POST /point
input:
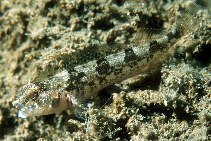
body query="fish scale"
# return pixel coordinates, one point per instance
(88, 71)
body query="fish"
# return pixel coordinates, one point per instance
(88, 71)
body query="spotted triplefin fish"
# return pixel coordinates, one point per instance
(83, 78)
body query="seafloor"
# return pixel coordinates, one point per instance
(171, 103)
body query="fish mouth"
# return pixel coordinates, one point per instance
(22, 114)
(21, 110)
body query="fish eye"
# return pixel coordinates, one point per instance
(34, 95)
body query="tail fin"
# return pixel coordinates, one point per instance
(187, 20)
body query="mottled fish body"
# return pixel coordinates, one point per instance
(84, 79)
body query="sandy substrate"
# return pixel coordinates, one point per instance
(171, 103)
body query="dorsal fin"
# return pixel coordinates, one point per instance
(185, 22)
(146, 35)
(79, 57)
